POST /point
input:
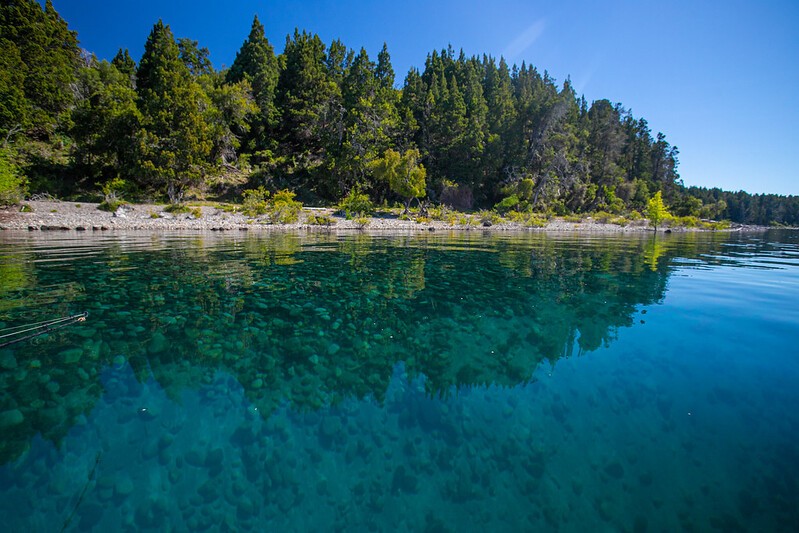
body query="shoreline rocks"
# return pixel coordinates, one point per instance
(59, 217)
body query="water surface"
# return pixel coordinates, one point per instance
(468, 382)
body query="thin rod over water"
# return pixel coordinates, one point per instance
(38, 328)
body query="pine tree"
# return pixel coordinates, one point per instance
(49, 56)
(312, 114)
(257, 64)
(125, 65)
(177, 140)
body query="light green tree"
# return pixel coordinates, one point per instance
(656, 211)
(12, 183)
(404, 174)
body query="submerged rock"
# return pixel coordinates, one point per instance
(7, 360)
(14, 417)
(72, 355)
(158, 343)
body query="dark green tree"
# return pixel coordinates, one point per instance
(257, 64)
(106, 126)
(195, 57)
(176, 137)
(125, 65)
(312, 115)
(48, 56)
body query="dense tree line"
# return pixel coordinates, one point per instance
(323, 120)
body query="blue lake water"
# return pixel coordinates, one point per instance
(465, 382)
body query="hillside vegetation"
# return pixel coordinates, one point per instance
(325, 121)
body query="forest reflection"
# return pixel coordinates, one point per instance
(312, 319)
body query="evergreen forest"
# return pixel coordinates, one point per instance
(324, 120)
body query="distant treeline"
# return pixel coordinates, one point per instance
(315, 118)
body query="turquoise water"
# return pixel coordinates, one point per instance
(322, 382)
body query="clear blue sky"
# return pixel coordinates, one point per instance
(719, 78)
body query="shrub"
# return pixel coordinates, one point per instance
(716, 225)
(603, 217)
(686, 221)
(507, 204)
(488, 218)
(361, 222)
(441, 212)
(196, 212)
(320, 220)
(466, 220)
(283, 208)
(356, 203)
(177, 209)
(254, 202)
(111, 205)
(576, 219)
(12, 183)
(532, 220)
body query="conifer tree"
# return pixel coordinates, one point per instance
(125, 65)
(40, 46)
(257, 64)
(177, 140)
(311, 114)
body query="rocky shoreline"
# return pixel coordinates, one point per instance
(86, 217)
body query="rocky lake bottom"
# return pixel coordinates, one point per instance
(387, 383)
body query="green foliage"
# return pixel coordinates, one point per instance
(177, 208)
(39, 57)
(574, 219)
(404, 174)
(255, 202)
(685, 221)
(256, 67)
(603, 217)
(106, 124)
(442, 213)
(320, 220)
(12, 182)
(356, 203)
(471, 131)
(718, 225)
(655, 210)
(509, 203)
(177, 138)
(489, 218)
(113, 189)
(361, 222)
(283, 208)
(111, 205)
(532, 220)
